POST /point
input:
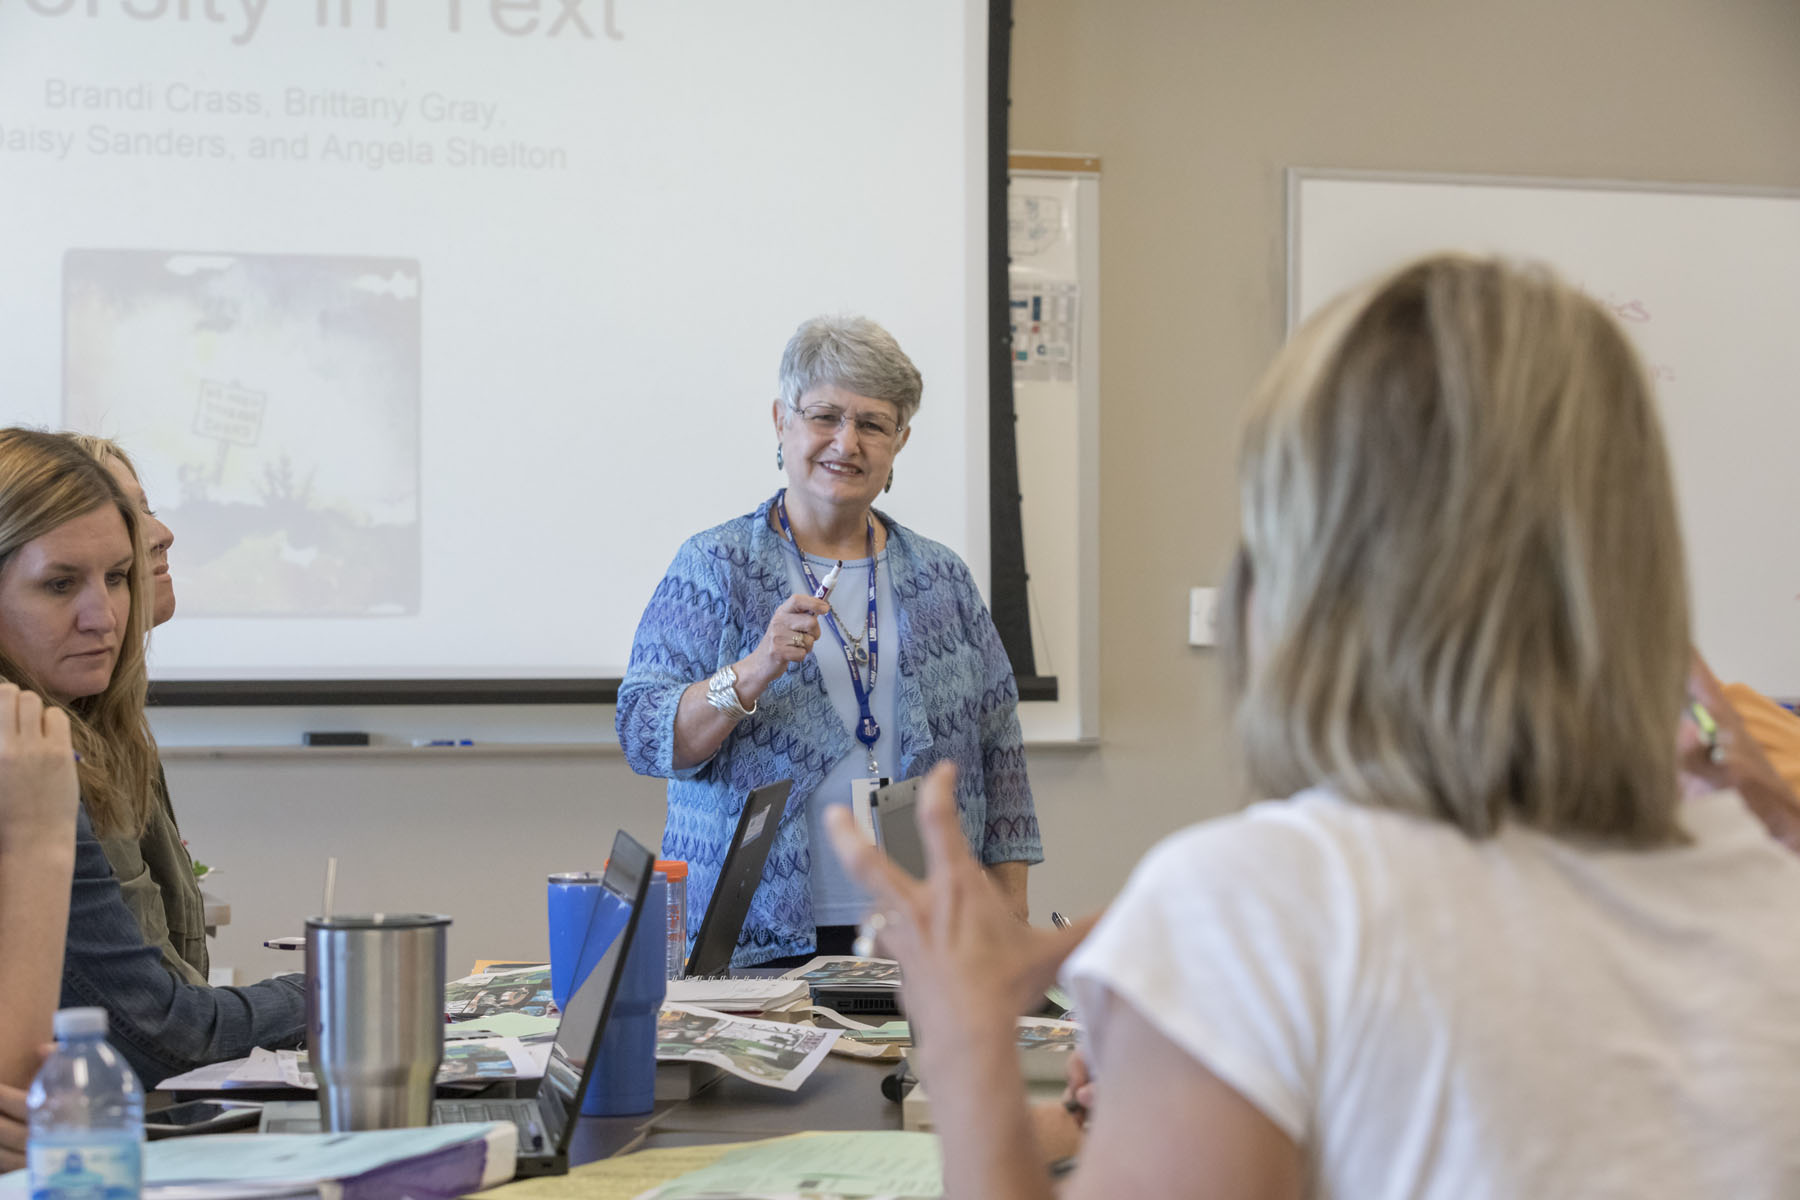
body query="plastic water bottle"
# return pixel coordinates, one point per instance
(624, 1079)
(87, 1116)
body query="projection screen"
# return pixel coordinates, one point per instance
(435, 326)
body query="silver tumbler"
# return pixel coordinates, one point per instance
(375, 1017)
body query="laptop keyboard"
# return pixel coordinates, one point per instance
(523, 1115)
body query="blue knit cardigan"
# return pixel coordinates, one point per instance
(955, 700)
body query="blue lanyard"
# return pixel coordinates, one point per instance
(868, 732)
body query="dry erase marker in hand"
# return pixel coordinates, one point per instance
(829, 582)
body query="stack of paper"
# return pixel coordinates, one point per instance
(755, 996)
(469, 1060)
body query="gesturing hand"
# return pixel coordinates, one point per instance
(38, 791)
(969, 967)
(12, 1128)
(1734, 760)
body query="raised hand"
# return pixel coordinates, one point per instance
(966, 960)
(38, 790)
(1730, 758)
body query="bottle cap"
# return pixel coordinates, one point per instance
(673, 868)
(79, 1022)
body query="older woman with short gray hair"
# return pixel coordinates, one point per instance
(725, 692)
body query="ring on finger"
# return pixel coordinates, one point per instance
(866, 933)
(799, 641)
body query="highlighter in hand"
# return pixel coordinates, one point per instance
(1709, 731)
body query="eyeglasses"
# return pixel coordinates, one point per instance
(826, 419)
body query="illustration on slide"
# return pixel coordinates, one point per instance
(271, 402)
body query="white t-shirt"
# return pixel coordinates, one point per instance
(1431, 1016)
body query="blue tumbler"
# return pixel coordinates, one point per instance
(573, 897)
(624, 1079)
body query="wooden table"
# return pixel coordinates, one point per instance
(843, 1094)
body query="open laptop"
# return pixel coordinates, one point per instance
(738, 880)
(547, 1121)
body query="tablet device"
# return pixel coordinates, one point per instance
(895, 809)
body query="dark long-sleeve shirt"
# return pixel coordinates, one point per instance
(161, 1026)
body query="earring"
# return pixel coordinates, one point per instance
(779, 465)
(890, 483)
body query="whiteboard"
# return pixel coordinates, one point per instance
(1707, 284)
(1053, 238)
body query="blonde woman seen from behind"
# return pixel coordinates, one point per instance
(1483, 948)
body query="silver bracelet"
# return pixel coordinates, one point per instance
(721, 693)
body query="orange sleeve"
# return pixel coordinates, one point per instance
(1775, 729)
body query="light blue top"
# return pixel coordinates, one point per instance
(838, 899)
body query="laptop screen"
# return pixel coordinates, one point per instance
(739, 877)
(614, 923)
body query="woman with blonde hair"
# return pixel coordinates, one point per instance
(1484, 947)
(74, 606)
(151, 859)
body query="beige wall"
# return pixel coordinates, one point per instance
(1196, 108)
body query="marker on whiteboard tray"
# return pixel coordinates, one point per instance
(829, 582)
(443, 741)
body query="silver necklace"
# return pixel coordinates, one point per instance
(858, 652)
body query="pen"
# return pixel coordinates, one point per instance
(829, 582)
(443, 741)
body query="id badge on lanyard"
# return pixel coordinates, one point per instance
(862, 804)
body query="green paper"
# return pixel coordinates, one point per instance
(507, 1024)
(842, 1164)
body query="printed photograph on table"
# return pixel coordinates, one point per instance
(526, 991)
(271, 402)
(464, 1062)
(476, 1062)
(1041, 1033)
(772, 1053)
(829, 970)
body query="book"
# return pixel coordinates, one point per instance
(440, 1160)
